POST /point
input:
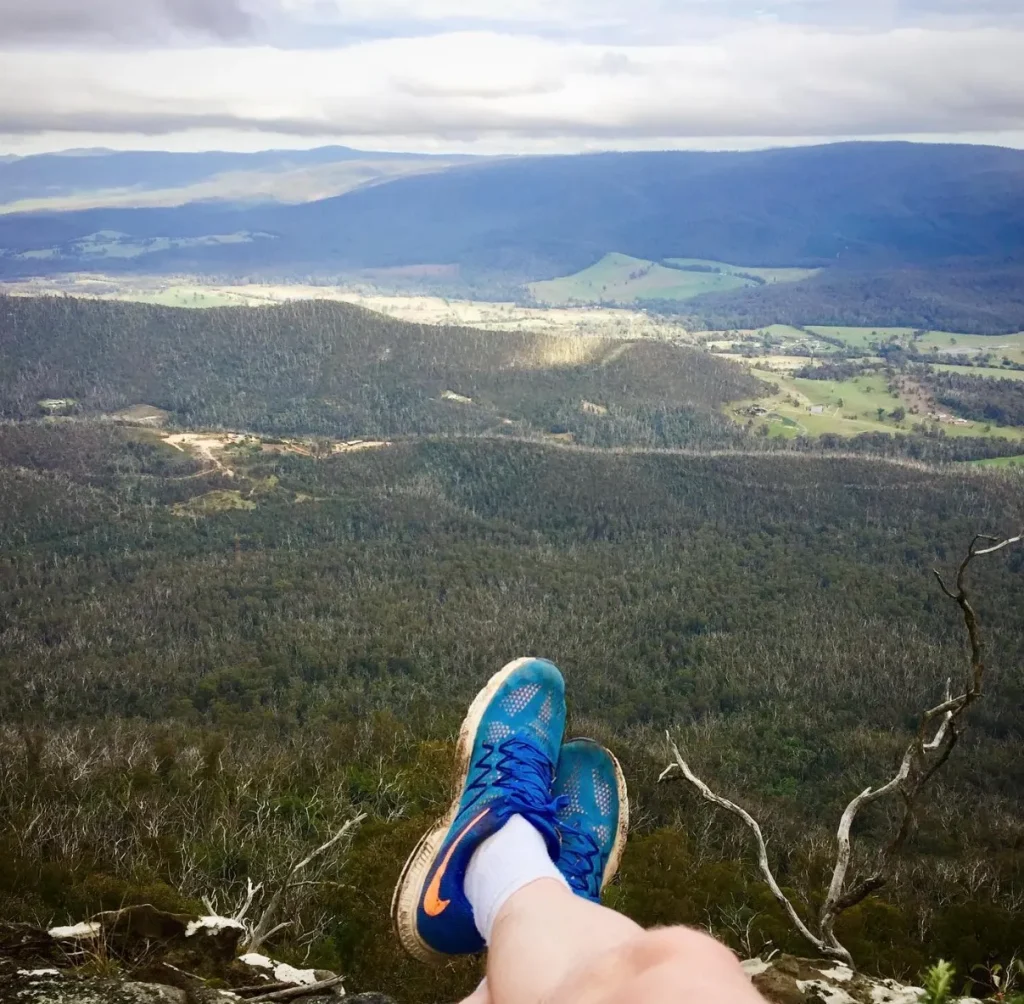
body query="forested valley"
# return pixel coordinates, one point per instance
(206, 668)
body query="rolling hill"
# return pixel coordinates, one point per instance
(333, 369)
(942, 218)
(878, 204)
(89, 179)
(618, 278)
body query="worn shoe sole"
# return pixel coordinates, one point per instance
(621, 834)
(406, 899)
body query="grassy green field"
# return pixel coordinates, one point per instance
(1011, 346)
(862, 337)
(1003, 462)
(947, 342)
(992, 372)
(849, 407)
(768, 274)
(619, 278)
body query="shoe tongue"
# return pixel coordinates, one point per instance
(529, 796)
(544, 823)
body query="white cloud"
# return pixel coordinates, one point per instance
(514, 75)
(767, 80)
(78, 21)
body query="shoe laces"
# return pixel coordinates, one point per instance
(580, 852)
(525, 775)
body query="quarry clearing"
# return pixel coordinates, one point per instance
(211, 446)
(207, 445)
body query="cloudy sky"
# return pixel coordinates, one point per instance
(506, 75)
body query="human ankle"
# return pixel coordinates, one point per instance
(506, 863)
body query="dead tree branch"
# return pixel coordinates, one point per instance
(937, 734)
(762, 849)
(264, 928)
(307, 990)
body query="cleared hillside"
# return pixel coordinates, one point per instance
(618, 278)
(106, 178)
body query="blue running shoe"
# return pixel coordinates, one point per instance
(507, 751)
(593, 818)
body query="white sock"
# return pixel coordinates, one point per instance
(512, 858)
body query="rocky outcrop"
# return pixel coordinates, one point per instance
(163, 958)
(150, 956)
(789, 980)
(49, 985)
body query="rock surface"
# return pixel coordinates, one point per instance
(142, 955)
(789, 980)
(52, 986)
(175, 959)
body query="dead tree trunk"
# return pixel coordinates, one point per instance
(937, 734)
(258, 932)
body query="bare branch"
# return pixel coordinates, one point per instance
(923, 757)
(832, 951)
(999, 544)
(263, 929)
(250, 894)
(947, 718)
(301, 991)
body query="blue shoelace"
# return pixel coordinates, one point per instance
(526, 774)
(579, 854)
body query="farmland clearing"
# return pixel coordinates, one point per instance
(621, 278)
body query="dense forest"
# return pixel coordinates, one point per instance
(980, 398)
(985, 300)
(192, 696)
(333, 369)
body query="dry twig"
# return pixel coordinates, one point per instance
(291, 993)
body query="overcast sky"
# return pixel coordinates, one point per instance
(510, 76)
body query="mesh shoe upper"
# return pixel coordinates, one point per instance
(515, 746)
(589, 816)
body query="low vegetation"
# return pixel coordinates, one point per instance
(189, 701)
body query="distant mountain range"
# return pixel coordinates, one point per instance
(862, 209)
(87, 179)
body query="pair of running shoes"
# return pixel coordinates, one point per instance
(511, 761)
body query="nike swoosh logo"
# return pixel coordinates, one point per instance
(433, 905)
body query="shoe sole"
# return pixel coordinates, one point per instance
(622, 832)
(406, 899)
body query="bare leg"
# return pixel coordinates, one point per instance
(551, 947)
(482, 995)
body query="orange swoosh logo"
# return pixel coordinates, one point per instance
(433, 905)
